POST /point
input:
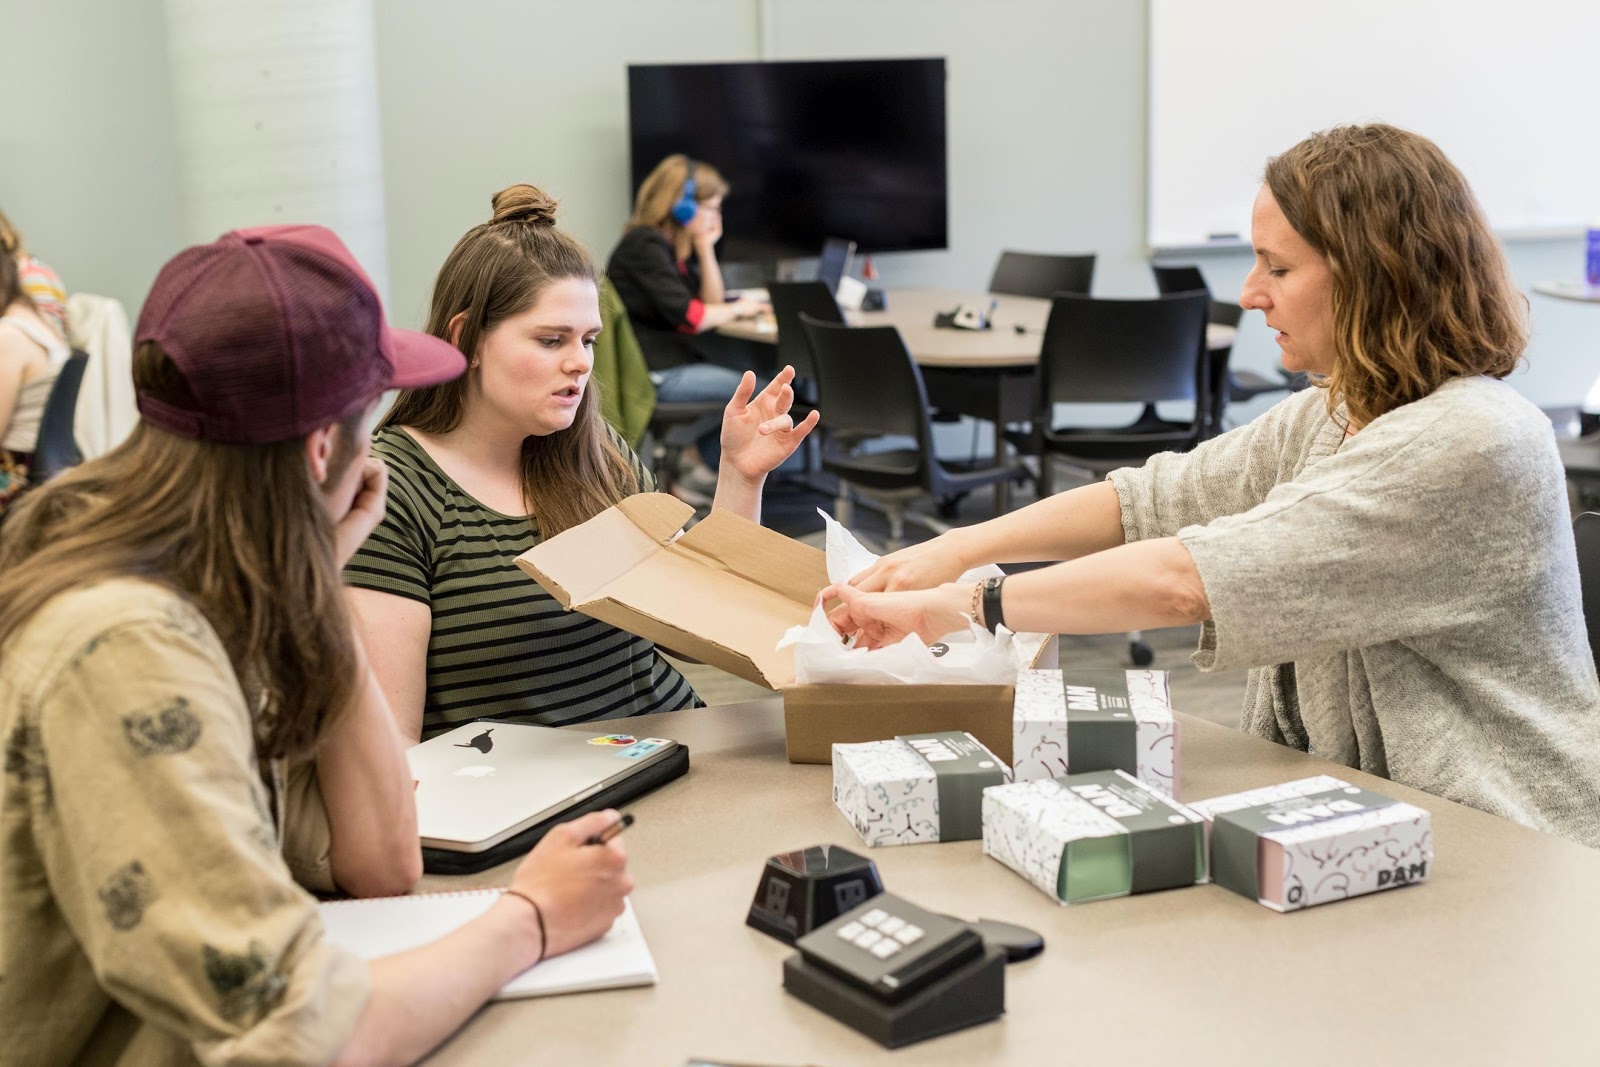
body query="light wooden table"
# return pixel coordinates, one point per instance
(1492, 961)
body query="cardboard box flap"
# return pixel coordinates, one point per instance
(719, 617)
(773, 670)
(763, 557)
(576, 564)
(722, 593)
(660, 515)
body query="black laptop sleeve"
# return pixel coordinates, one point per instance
(446, 861)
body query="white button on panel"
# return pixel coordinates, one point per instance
(851, 931)
(891, 924)
(874, 917)
(868, 938)
(885, 948)
(908, 934)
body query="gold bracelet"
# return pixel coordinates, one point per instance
(538, 913)
(977, 604)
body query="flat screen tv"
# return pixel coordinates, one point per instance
(811, 150)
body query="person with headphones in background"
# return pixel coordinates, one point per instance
(665, 271)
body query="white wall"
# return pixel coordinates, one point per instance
(476, 96)
(1047, 136)
(87, 160)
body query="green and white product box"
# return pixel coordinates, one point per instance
(1313, 841)
(1073, 722)
(1093, 836)
(917, 788)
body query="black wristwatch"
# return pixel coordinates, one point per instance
(992, 615)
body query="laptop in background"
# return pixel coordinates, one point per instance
(481, 784)
(834, 262)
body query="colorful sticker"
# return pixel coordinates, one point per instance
(643, 748)
(619, 740)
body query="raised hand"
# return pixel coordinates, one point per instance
(757, 431)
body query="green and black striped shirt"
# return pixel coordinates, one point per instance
(501, 647)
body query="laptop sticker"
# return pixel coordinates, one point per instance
(643, 748)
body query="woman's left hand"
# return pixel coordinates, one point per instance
(757, 431)
(880, 619)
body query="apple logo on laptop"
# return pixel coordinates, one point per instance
(483, 742)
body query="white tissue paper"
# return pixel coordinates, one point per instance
(973, 656)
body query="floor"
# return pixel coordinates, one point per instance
(791, 508)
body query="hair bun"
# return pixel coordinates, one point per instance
(524, 203)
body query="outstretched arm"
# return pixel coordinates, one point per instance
(1144, 585)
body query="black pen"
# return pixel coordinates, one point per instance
(611, 831)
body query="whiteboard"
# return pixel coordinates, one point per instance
(1509, 90)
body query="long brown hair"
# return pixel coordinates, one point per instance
(11, 290)
(11, 241)
(663, 187)
(240, 531)
(498, 270)
(1421, 292)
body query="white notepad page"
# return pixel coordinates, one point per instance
(386, 925)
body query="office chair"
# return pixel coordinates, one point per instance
(56, 449)
(789, 301)
(869, 388)
(1041, 275)
(1098, 351)
(1586, 532)
(665, 453)
(1232, 386)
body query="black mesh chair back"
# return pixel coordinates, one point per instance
(1135, 351)
(867, 385)
(56, 449)
(790, 300)
(1040, 275)
(1170, 280)
(1586, 532)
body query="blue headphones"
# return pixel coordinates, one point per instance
(684, 210)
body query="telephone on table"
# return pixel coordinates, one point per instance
(898, 973)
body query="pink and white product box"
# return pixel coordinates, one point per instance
(917, 788)
(1313, 841)
(1093, 836)
(1075, 722)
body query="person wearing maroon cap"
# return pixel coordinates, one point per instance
(514, 451)
(173, 636)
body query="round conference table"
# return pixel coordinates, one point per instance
(911, 311)
(1491, 961)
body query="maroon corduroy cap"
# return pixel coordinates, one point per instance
(278, 331)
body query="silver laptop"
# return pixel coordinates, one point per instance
(834, 263)
(483, 782)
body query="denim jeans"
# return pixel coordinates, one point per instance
(693, 382)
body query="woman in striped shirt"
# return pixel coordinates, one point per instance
(516, 450)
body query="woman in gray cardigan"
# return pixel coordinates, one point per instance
(1390, 554)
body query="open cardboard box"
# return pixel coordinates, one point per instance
(723, 593)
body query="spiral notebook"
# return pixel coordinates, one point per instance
(386, 925)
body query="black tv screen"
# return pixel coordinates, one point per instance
(839, 148)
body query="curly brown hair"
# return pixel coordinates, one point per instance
(1421, 291)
